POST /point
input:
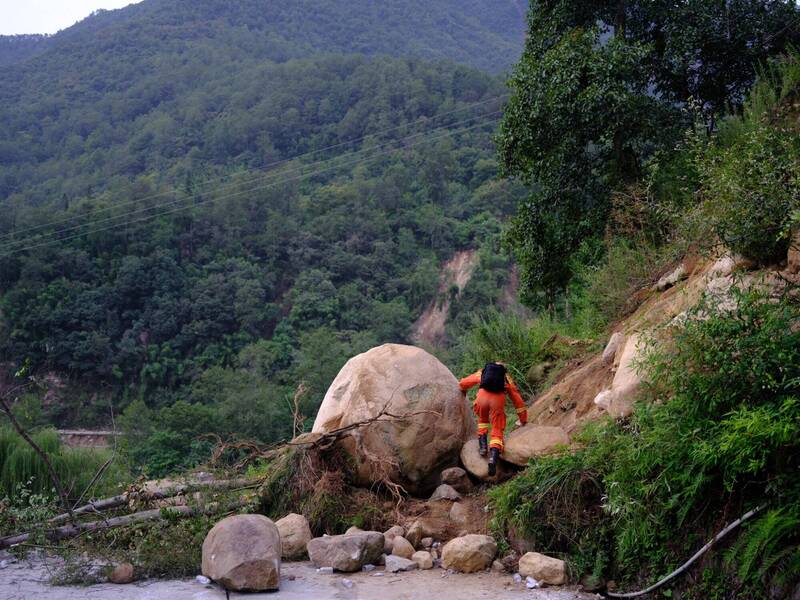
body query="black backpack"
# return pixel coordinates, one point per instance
(493, 378)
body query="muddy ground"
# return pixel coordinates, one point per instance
(28, 579)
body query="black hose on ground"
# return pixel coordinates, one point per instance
(685, 566)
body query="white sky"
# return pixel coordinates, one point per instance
(49, 16)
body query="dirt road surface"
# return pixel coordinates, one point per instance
(28, 579)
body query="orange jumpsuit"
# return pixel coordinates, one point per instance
(491, 408)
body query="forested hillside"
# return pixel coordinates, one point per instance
(213, 207)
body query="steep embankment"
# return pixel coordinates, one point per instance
(594, 384)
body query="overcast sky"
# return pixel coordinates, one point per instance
(48, 16)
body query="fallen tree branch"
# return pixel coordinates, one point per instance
(158, 514)
(154, 494)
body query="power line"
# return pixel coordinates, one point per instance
(27, 240)
(264, 167)
(257, 188)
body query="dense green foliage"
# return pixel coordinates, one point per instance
(600, 87)
(239, 213)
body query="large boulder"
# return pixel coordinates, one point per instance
(478, 465)
(401, 380)
(469, 553)
(457, 478)
(546, 569)
(533, 440)
(347, 553)
(243, 553)
(295, 534)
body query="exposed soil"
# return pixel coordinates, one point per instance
(299, 581)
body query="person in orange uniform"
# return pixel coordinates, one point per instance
(490, 407)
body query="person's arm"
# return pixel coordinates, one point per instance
(516, 398)
(469, 381)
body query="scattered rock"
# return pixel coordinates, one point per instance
(368, 568)
(295, 534)
(610, 352)
(403, 380)
(669, 280)
(545, 569)
(243, 553)
(533, 440)
(445, 492)
(389, 536)
(532, 583)
(347, 553)
(478, 465)
(426, 542)
(353, 529)
(202, 580)
(459, 513)
(122, 573)
(348, 583)
(423, 559)
(425, 527)
(458, 479)
(402, 547)
(469, 553)
(398, 563)
(498, 566)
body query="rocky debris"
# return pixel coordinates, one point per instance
(478, 465)
(614, 344)
(353, 529)
(425, 527)
(469, 553)
(545, 569)
(445, 492)
(670, 279)
(426, 542)
(459, 514)
(423, 559)
(346, 553)
(533, 440)
(457, 478)
(395, 564)
(618, 401)
(389, 536)
(243, 553)
(498, 566)
(402, 547)
(122, 573)
(402, 381)
(295, 534)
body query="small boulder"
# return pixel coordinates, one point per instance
(398, 563)
(426, 527)
(426, 542)
(670, 279)
(402, 547)
(347, 553)
(423, 559)
(389, 536)
(469, 553)
(122, 573)
(295, 534)
(546, 569)
(533, 440)
(477, 465)
(618, 400)
(498, 566)
(457, 478)
(459, 514)
(243, 553)
(445, 492)
(610, 352)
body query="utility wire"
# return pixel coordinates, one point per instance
(264, 167)
(239, 193)
(23, 241)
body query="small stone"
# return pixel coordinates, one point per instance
(423, 559)
(426, 542)
(498, 567)
(122, 574)
(402, 547)
(347, 583)
(368, 568)
(517, 578)
(458, 478)
(202, 580)
(325, 570)
(377, 575)
(445, 492)
(389, 536)
(532, 584)
(395, 564)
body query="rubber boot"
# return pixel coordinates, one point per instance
(494, 456)
(482, 445)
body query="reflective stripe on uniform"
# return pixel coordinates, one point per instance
(497, 441)
(483, 425)
(522, 410)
